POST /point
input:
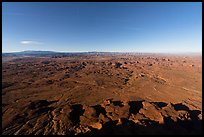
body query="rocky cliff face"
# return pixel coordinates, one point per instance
(110, 117)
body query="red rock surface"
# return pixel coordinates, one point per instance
(98, 94)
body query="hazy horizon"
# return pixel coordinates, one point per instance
(148, 27)
(108, 52)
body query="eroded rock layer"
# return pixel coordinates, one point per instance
(110, 117)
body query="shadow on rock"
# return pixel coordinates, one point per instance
(129, 127)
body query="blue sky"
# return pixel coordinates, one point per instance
(119, 27)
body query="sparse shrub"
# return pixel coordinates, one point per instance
(46, 62)
(117, 65)
(84, 63)
(50, 82)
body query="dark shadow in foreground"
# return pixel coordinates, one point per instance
(128, 127)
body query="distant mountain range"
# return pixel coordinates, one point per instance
(28, 53)
(31, 53)
(51, 53)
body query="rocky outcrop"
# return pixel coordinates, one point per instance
(109, 117)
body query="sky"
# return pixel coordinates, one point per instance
(102, 26)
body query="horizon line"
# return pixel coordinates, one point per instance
(181, 52)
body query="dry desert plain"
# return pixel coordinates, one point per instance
(102, 94)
